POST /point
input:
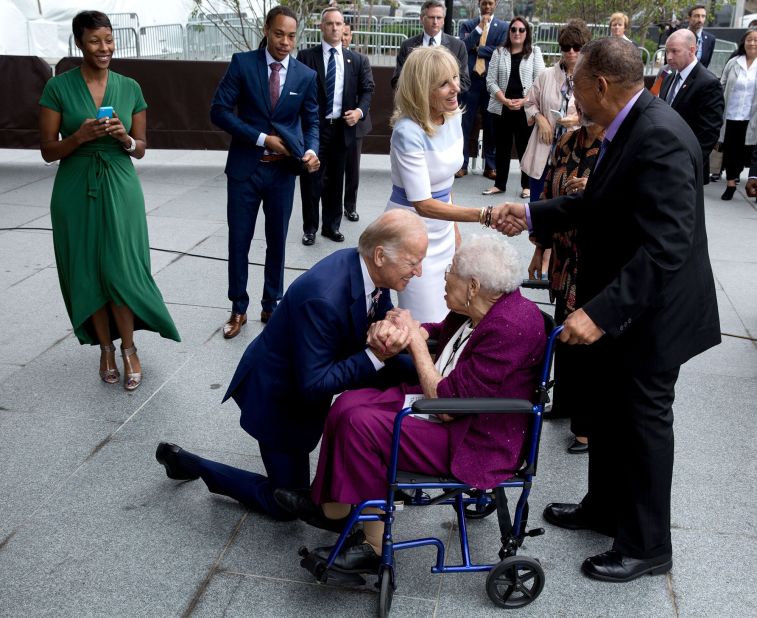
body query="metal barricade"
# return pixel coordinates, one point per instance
(209, 41)
(124, 20)
(409, 26)
(126, 40)
(720, 55)
(166, 42)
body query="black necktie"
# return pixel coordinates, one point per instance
(375, 295)
(330, 82)
(431, 41)
(674, 87)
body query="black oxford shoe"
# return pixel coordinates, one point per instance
(335, 236)
(356, 556)
(308, 239)
(169, 456)
(612, 566)
(298, 502)
(569, 516)
(351, 216)
(578, 447)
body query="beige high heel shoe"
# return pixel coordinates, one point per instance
(133, 378)
(110, 374)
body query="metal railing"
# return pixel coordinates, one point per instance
(206, 41)
(124, 20)
(167, 42)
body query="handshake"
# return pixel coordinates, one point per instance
(509, 218)
(397, 331)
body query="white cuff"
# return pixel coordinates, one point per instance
(377, 364)
(261, 140)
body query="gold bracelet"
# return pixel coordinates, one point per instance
(481, 215)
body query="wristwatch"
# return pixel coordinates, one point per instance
(132, 146)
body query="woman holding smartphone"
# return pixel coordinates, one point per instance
(97, 206)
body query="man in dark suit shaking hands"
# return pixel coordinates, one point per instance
(647, 303)
(345, 88)
(694, 92)
(267, 102)
(313, 348)
(432, 19)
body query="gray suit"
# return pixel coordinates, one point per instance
(452, 43)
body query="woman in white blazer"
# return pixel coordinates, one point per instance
(739, 132)
(513, 68)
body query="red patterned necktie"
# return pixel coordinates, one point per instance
(274, 85)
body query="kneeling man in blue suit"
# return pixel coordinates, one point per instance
(313, 348)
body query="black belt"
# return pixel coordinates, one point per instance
(333, 120)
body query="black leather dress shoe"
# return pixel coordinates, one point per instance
(298, 502)
(169, 456)
(570, 516)
(351, 216)
(335, 236)
(612, 566)
(577, 448)
(356, 556)
(308, 239)
(265, 316)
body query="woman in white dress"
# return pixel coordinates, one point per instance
(426, 151)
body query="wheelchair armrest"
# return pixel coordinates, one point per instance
(473, 406)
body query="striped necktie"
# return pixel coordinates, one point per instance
(330, 82)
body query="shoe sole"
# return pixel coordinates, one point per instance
(655, 570)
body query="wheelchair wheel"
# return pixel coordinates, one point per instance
(515, 582)
(480, 511)
(386, 592)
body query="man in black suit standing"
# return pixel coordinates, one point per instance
(705, 42)
(647, 303)
(345, 89)
(432, 18)
(694, 92)
(352, 164)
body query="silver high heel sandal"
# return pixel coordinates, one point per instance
(110, 374)
(133, 378)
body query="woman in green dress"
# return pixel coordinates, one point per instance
(97, 206)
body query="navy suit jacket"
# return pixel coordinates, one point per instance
(242, 107)
(312, 348)
(358, 86)
(471, 38)
(708, 46)
(451, 43)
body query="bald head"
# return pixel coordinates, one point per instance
(680, 49)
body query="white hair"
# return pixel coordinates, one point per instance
(490, 259)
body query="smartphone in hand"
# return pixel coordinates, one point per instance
(104, 112)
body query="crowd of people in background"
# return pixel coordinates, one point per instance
(596, 152)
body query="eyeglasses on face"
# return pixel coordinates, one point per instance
(567, 48)
(514, 30)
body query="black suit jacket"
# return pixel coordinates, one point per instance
(700, 103)
(358, 84)
(644, 273)
(452, 43)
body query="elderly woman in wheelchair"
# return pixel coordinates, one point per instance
(491, 344)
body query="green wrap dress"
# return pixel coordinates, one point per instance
(98, 214)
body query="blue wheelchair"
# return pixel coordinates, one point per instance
(513, 582)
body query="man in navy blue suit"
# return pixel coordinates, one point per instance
(705, 41)
(267, 101)
(481, 37)
(314, 347)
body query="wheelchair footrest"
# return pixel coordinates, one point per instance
(317, 567)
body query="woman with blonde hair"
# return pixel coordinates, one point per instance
(618, 25)
(426, 151)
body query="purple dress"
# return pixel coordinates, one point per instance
(501, 359)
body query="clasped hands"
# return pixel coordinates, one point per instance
(393, 334)
(274, 143)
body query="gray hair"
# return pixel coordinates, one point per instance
(490, 259)
(433, 4)
(615, 60)
(390, 231)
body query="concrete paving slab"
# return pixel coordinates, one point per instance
(12, 215)
(114, 541)
(8, 369)
(230, 594)
(17, 262)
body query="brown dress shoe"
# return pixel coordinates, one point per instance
(265, 316)
(490, 174)
(234, 325)
(461, 172)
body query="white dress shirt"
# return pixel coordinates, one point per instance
(368, 287)
(437, 39)
(336, 111)
(682, 77)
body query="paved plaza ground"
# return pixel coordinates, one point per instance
(91, 526)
